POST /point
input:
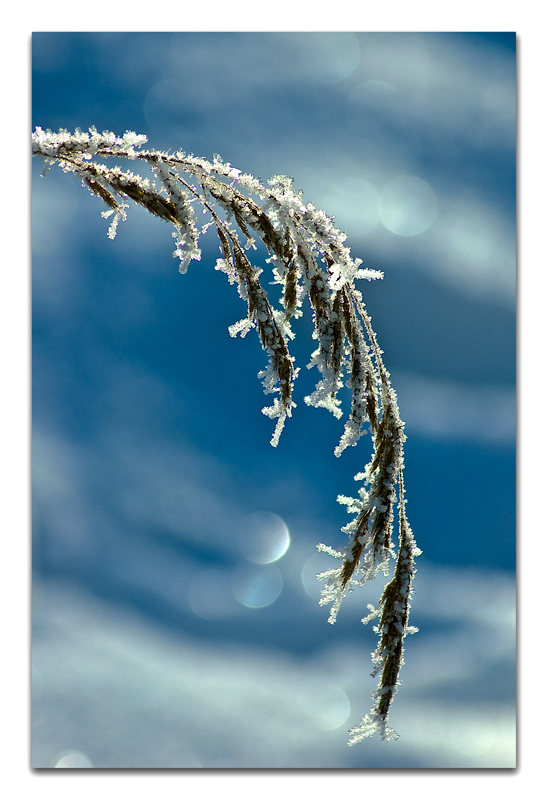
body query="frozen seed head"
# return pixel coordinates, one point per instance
(309, 259)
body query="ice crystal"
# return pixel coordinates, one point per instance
(308, 258)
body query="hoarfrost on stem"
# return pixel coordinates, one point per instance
(309, 259)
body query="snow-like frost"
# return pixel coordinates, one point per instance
(308, 257)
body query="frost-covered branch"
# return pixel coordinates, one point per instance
(308, 258)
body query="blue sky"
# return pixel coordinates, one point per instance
(151, 454)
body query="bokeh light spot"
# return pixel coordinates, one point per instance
(263, 537)
(333, 707)
(372, 93)
(316, 564)
(73, 760)
(165, 105)
(407, 205)
(473, 737)
(329, 57)
(354, 204)
(257, 586)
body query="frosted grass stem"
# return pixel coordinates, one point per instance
(308, 258)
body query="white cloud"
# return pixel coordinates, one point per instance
(449, 410)
(442, 86)
(124, 694)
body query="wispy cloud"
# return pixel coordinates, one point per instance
(124, 694)
(455, 412)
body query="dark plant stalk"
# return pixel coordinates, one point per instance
(308, 258)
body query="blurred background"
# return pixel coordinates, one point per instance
(163, 635)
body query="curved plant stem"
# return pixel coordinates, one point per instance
(309, 259)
